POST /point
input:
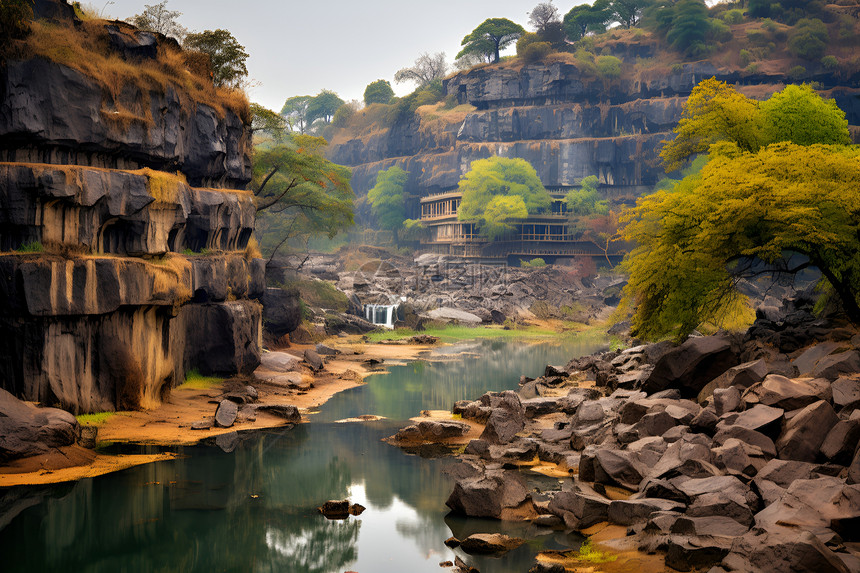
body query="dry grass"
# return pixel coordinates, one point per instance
(86, 48)
(163, 186)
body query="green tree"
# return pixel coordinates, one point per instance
(583, 19)
(694, 241)
(800, 115)
(753, 199)
(426, 70)
(378, 92)
(760, 8)
(689, 27)
(157, 18)
(715, 111)
(226, 55)
(299, 193)
(500, 177)
(586, 200)
(387, 201)
(628, 12)
(323, 106)
(295, 110)
(492, 36)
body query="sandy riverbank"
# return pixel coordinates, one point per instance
(170, 423)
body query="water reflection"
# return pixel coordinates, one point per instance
(255, 509)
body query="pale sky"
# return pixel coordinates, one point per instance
(300, 47)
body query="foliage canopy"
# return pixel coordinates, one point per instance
(492, 36)
(499, 189)
(387, 202)
(226, 55)
(776, 180)
(157, 18)
(378, 92)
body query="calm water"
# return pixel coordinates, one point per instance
(254, 508)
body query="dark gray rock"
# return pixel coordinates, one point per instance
(713, 525)
(631, 511)
(225, 414)
(835, 365)
(581, 508)
(760, 418)
(618, 467)
(686, 553)
(806, 362)
(738, 458)
(806, 431)
(288, 412)
(841, 442)
(784, 472)
(705, 421)
(741, 376)
(324, 350)
(784, 552)
(691, 365)
(854, 469)
(281, 311)
(490, 543)
(748, 436)
(488, 494)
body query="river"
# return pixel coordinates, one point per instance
(253, 507)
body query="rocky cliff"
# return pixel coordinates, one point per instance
(568, 124)
(123, 229)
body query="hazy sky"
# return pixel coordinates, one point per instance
(300, 47)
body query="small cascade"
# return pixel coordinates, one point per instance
(381, 314)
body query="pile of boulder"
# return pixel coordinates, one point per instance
(721, 452)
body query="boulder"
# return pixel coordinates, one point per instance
(783, 552)
(632, 511)
(738, 458)
(760, 418)
(618, 467)
(835, 365)
(841, 442)
(845, 391)
(785, 393)
(324, 350)
(784, 472)
(491, 494)
(580, 508)
(490, 543)
(693, 553)
(314, 360)
(454, 314)
(726, 400)
(854, 469)
(286, 411)
(28, 431)
(806, 431)
(691, 365)
(712, 525)
(742, 376)
(807, 361)
(442, 429)
(506, 419)
(748, 436)
(225, 414)
(281, 311)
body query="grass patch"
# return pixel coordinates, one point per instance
(590, 554)
(32, 247)
(196, 381)
(96, 419)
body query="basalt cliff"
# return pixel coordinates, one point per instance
(568, 124)
(124, 222)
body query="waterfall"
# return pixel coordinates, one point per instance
(381, 314)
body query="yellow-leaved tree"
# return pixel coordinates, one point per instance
(780, 181)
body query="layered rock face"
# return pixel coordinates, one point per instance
(566, 124)
(122, 244)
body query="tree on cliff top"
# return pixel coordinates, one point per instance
(226, 55)
(427, 69)
(295, 111)
(378, 92)
(299, 193)
(323, 107)
(492, 36)
(761, 194)
(583, 19)
(157, 18)
(494, 178)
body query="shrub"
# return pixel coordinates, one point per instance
(830, 62)
(15, 16)
(758, 37)
(343, 115)
(808, 39)
(608, 66)
(734, 16)
(720, 31)
(797, 73)
(535, 263)
(752, 68)
(746, 57)
(535, 52)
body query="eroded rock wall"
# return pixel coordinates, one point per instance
(122, 243)
(566, 124)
